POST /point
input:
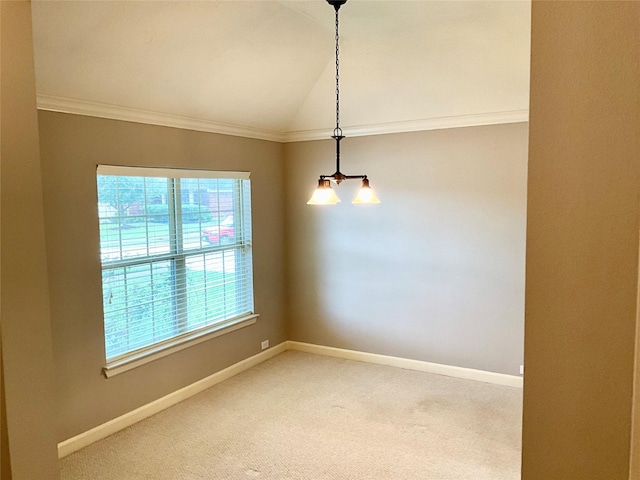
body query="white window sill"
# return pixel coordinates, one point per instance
(130, 362)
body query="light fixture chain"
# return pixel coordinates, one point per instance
(338, 130)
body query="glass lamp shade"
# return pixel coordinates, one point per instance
(365, 194)
(324, 194)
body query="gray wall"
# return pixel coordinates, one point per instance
(71, 148)
(436, 271)
(27, 367)
(582, 240)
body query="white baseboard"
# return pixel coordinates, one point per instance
(408, 364)
(74, 444)
(102, 431)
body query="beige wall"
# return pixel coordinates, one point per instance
(5, 458)
(71, 147)
(634, 463)
(436, 271)
(582, 241)
(26, 335)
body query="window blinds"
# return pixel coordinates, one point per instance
(175, 248)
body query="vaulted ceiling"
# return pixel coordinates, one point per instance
(265, 69)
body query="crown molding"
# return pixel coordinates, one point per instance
(458, 121)
(102, 110)
(113, 112)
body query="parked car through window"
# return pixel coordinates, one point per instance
(222, 234)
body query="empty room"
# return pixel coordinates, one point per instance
(319, 239)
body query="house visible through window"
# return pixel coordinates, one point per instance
(175, 247)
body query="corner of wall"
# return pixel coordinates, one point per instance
(27, 353)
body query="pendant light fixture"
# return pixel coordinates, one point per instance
(324, 194)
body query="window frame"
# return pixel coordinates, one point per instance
(178, 255)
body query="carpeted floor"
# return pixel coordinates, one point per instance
(304, 416)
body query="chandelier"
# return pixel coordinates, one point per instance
(324, 194)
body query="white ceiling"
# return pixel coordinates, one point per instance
(266, 69)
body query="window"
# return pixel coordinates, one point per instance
(175, 248)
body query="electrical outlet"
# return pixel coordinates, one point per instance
(265, 344)
(521, 369)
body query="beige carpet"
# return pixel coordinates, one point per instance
(303, 416)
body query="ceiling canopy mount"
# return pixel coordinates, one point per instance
(336, 3)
